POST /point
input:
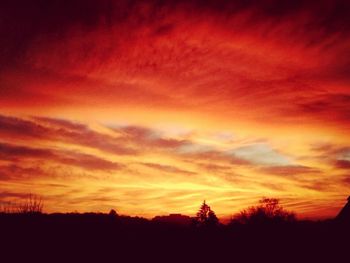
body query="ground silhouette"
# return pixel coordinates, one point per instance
(98, 237)
(174, 219)
(344, 214)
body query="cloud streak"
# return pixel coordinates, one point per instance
(17, 153)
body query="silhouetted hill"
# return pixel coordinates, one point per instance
(344, 214)
(175, 219)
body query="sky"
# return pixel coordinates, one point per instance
(151, 107)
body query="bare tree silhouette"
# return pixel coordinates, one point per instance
(32, 205)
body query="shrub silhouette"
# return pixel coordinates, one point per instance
(268, 211)
(32, 205)
(205, 216)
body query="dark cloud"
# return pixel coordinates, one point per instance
(335, 155)
(23, 128)
(63, 131)
(13, 152)
(213, 156)
(346, 180)
(211, 167)
(14, 171)
(273, 186)
(128, 140)
(85, 161)
(61, 123)
(288, 170)
(23, 22)
(328, 106)
(318, 185)
(7, 194)
(168, 168)
(149, 139)
(89, 162)
(342, 164)
(81, 134)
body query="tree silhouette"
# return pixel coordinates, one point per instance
(113, 213)
(269, 210)
(205, 216)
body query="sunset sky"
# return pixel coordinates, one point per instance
(150, 107)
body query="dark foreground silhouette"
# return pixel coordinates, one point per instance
(36, 237)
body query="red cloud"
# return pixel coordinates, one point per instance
(248, 59)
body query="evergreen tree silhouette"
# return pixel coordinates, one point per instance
(205, 216)
(212, 218)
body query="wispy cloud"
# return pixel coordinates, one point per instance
(289, 170)
(168, 168)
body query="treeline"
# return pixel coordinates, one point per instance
(268, 210)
